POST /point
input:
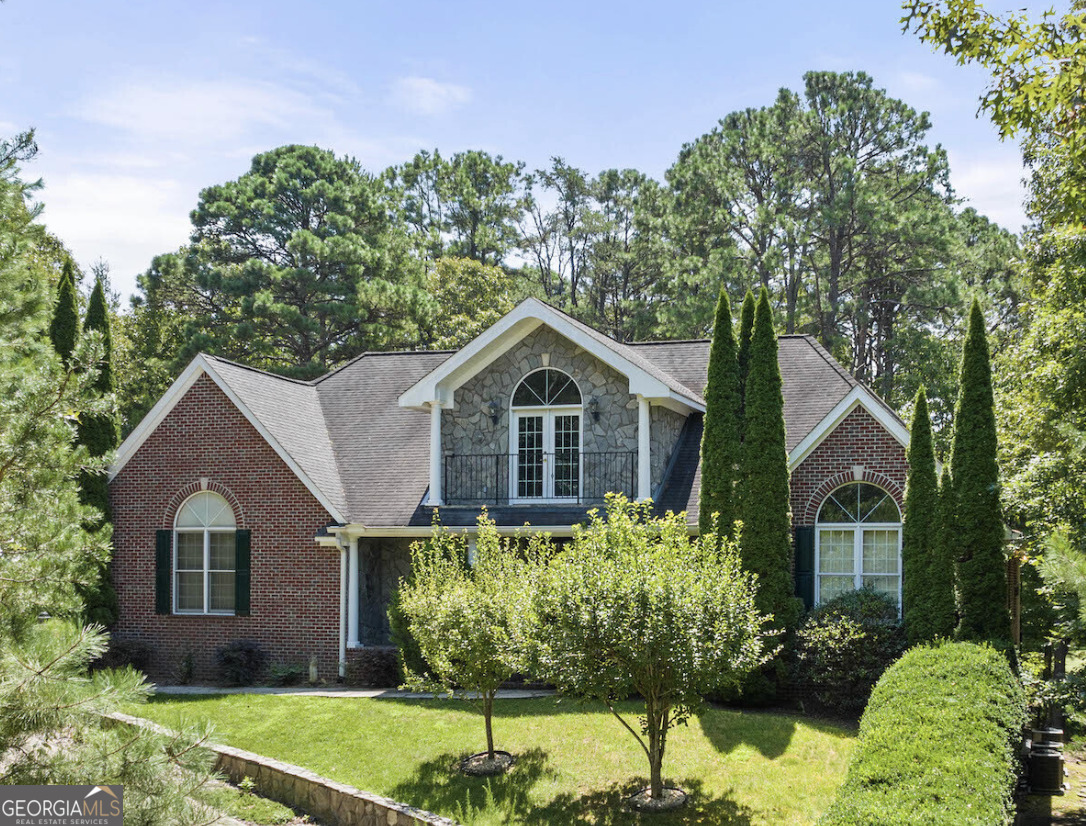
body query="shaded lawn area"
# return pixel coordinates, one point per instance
(574, 762)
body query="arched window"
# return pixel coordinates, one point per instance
(859, 542)
(205, 555)
(545, 437)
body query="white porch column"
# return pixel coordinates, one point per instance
(342, 611)
(435, 454)
(352, 595)
(644, 442)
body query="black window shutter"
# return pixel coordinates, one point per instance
(805, 542)
(242, 541)
(163, 559)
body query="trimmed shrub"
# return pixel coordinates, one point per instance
(373, 668)
(409, 657)
(288, 673)
(121, 653)
(938, 743)
(240, 662)
(845, 645)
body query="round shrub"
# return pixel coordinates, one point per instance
(240, 662)
(844, 645)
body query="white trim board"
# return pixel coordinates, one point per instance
(859, 396)
(440, 384)
(197, 367)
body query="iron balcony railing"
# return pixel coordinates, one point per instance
(534, 476)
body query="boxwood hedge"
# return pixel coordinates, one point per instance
(938, 743)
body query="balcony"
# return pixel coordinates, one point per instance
(538, 477)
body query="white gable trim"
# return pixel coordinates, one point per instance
(859, 396)
(439, 385)
(197, 367)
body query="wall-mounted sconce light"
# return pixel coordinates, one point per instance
(493, 409)
(594, 408)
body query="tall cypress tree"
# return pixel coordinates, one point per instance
(720, 438)
(919, 564)
(941, 604)
(746, 328)
(64, 328)
(981, 577)
(766, 545)
(98, 433)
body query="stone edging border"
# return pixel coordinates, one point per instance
(335, 804)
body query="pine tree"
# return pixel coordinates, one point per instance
(944, 612)
(919, 531)
(720, 438)
(981, 576)
(64, 329)
(766, 544)
(98, 433)
(746, 328)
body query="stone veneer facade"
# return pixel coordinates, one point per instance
(467, 430)
(858, 440)
(205, 442)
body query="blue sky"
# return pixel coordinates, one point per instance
(139, 105)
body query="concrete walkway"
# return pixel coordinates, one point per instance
(335, 691)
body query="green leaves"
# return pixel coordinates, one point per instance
(720, 439)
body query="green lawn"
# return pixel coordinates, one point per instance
(573, 765)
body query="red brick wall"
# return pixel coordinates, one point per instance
(295, 582)
(858, 440)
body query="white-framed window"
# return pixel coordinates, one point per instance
(858, 543)
(204, 556)
(545, 438)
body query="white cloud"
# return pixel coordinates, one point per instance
(199, 112)
(124, 219)
(992, 184)
(426, 96)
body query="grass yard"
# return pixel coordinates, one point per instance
(574, 763)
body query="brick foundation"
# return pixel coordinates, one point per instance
(205, 442)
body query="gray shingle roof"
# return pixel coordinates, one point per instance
(370, 456)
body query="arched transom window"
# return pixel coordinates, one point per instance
(545, 437)
(205, 555)
(859, 542)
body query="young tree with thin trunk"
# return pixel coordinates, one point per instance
(981, 571)
(919, 532)
(634, 607)
(720, 438)
(466, 614)
(766, 543)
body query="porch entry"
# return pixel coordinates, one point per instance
(546, 427)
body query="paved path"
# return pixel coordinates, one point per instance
(334, 691)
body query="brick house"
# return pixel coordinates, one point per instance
(251, 506)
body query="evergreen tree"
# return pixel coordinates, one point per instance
(64, 329)
(920, 571)
(746, 328)
(944, 612)
(720, 438)
(981, 575)
(766, 544)
(51, 726)
(98, 433)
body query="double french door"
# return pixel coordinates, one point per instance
(547, 455)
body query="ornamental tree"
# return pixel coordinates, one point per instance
(634, 607)
(941, 599)
(467, 614)
(720, 439)
(766, 544)
(64, 328)
(918, 534)
(746, 328)
(981, 572)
